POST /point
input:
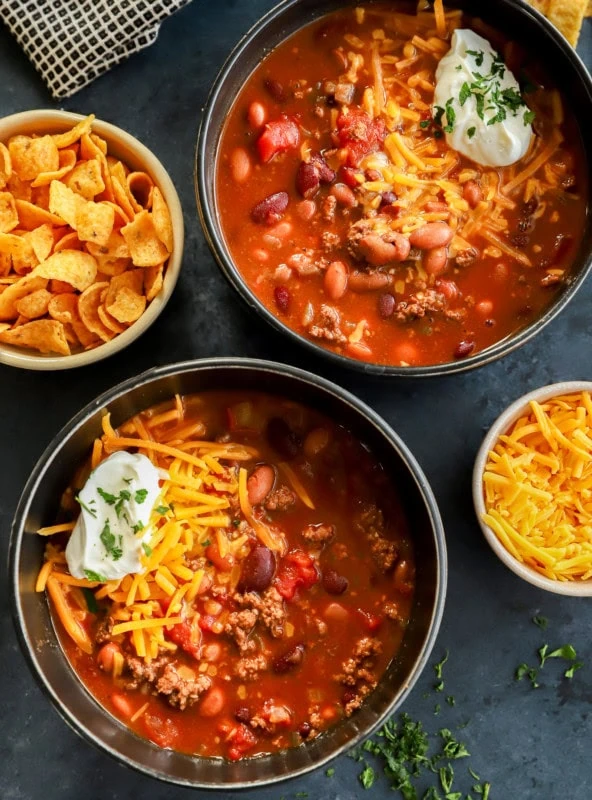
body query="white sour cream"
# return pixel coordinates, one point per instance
(501, 143)
(113, 524)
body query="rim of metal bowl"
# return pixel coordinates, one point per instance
(206, 214)
(45, 462)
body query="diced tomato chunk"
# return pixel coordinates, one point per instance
(223, 564)
(241, 740)
(162, 732)
(278, 136)
(297, 570)
(370, 621)
(359, 134)
(206, 621)
(184, 635)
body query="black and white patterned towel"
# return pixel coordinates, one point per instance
(72, 42)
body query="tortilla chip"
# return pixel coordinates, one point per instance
(568, 16)
(162, 219)
(5, 165)
(140, 186)
(115, 247)
(110, 322)
(86, 179)
(128, 306)
(45, 335)
(88, 305)
(68, 138)
(20, 190)
(64, 203)
(100, 143)
(64, 308)
(145, 247)
(68, 242)
(5, 264)
(30, 156)
(40, 197)
(153, 281)
(31, 217)
(121, 218)
(113, 266)
(132, 279)
(34, 305)
(8, 214)
(73, 266)
(94, 222)
(13, 293)
(66, 165)
(42, 241)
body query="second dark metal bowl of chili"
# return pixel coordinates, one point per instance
(512, 17)
(41, 499)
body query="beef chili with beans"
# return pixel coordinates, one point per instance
(353, 219)
(275, 576)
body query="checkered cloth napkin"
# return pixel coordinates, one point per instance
(72, 42)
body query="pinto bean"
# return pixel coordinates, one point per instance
(106, 654)
(386, 305)
(472, 193)
(335, 280)
(260, 254)
(257, 571)
(436, 206)
(260, 483)
(344, 195)
(484, 307)
(333, 582)
(257, 114)
(240, 165)
(271, 209)
(307, 179)
(122, 704)
(436, 260)
(306, 209)
(368, 282)
(281, 295)
(430, 235)
(378, 252)
(448, 288)
(281, 230)
(335, 612)
(292, 658)
(213, 702)
(359, 350)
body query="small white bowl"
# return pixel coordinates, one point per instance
(500, 426)
(135, 155)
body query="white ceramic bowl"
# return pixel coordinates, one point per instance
(135, 155)
(500, 426)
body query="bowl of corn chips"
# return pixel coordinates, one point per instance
(91, 239)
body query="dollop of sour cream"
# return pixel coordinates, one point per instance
(116, 503)
(477, 100)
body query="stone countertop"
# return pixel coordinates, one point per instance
(527, 743)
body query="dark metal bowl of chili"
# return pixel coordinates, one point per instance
(306, 221)
(82, 692)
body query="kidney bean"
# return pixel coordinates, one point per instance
(368, 281)
(242, 715)
(306, 209)
(348, 175)
(257, 114)
(472, 193)
(270, 210)
(281, 295)
(333, 582)
(275, 89)
(282, 438)
(526, 225)
(213, 702)
(326, 174)
(305, 730)
(290, 659)
(430, 235)
(307, 179)
(436, 260)
(344, 195)
(240, 165)
(387, 199)
(260, 483)
(335, 280)
(257, 571)
(464, 348)
(448, 288)
(386, 305)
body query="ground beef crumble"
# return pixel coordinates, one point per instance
(104, 631)
(326, 325)
(357, 673)
(319, 534)
(280, 499)
(239, 626)
(426, 303)
(166, 678)
(247, 669)
(268, 607)
(384, 551)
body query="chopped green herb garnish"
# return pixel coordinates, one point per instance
(91, 600)
(465, 93)
(94, 576)
(330, 772)
(437, 709)
(206, 543)
(83, 505)
(367, 777)
(147, 549)
(108, 539)
(425, 123)
(109, 498)
(569, 672)
(236, 522)
(473, 774)
(529, 117)
(141, 495)
(478, 55)
(567, 652)
(438, 114)
(301, 794)
(162, 510)
(446, 775)
(127, 480)
(450, 116)
(450, 700)
(440, 665)
(524, 671)
(439, 687)
(542, 622)
(452, 747)
(139, 526)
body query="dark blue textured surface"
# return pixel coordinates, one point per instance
(528, 743)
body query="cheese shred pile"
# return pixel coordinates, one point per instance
(538, 488)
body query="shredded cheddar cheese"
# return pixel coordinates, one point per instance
(538, 488)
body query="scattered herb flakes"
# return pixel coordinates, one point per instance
(91, 511)
(482, 789)
(567, 652)
(367, 777)
(162, 510)
(569, 672)
(425, 123)
(524, 671)
(450, 700)
(439, 687)
(471, 131)
(446, 775)
(301, 794)
(147, 549)
(94, 576)
(437, 709)
(452, 747)
(440, 665)
(139, 526)
(478, 55)
(140, 496)
(206, 543)
(108, 540)
(109, 498)
(541, 622)
(330, 772)
(473, 774)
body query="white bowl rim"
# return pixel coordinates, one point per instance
(24, 359)
(502, 423)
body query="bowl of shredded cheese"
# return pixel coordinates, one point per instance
(532, 488)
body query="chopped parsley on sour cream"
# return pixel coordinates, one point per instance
(112, 530)
(477, 102)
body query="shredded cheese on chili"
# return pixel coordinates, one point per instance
(538, 488)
